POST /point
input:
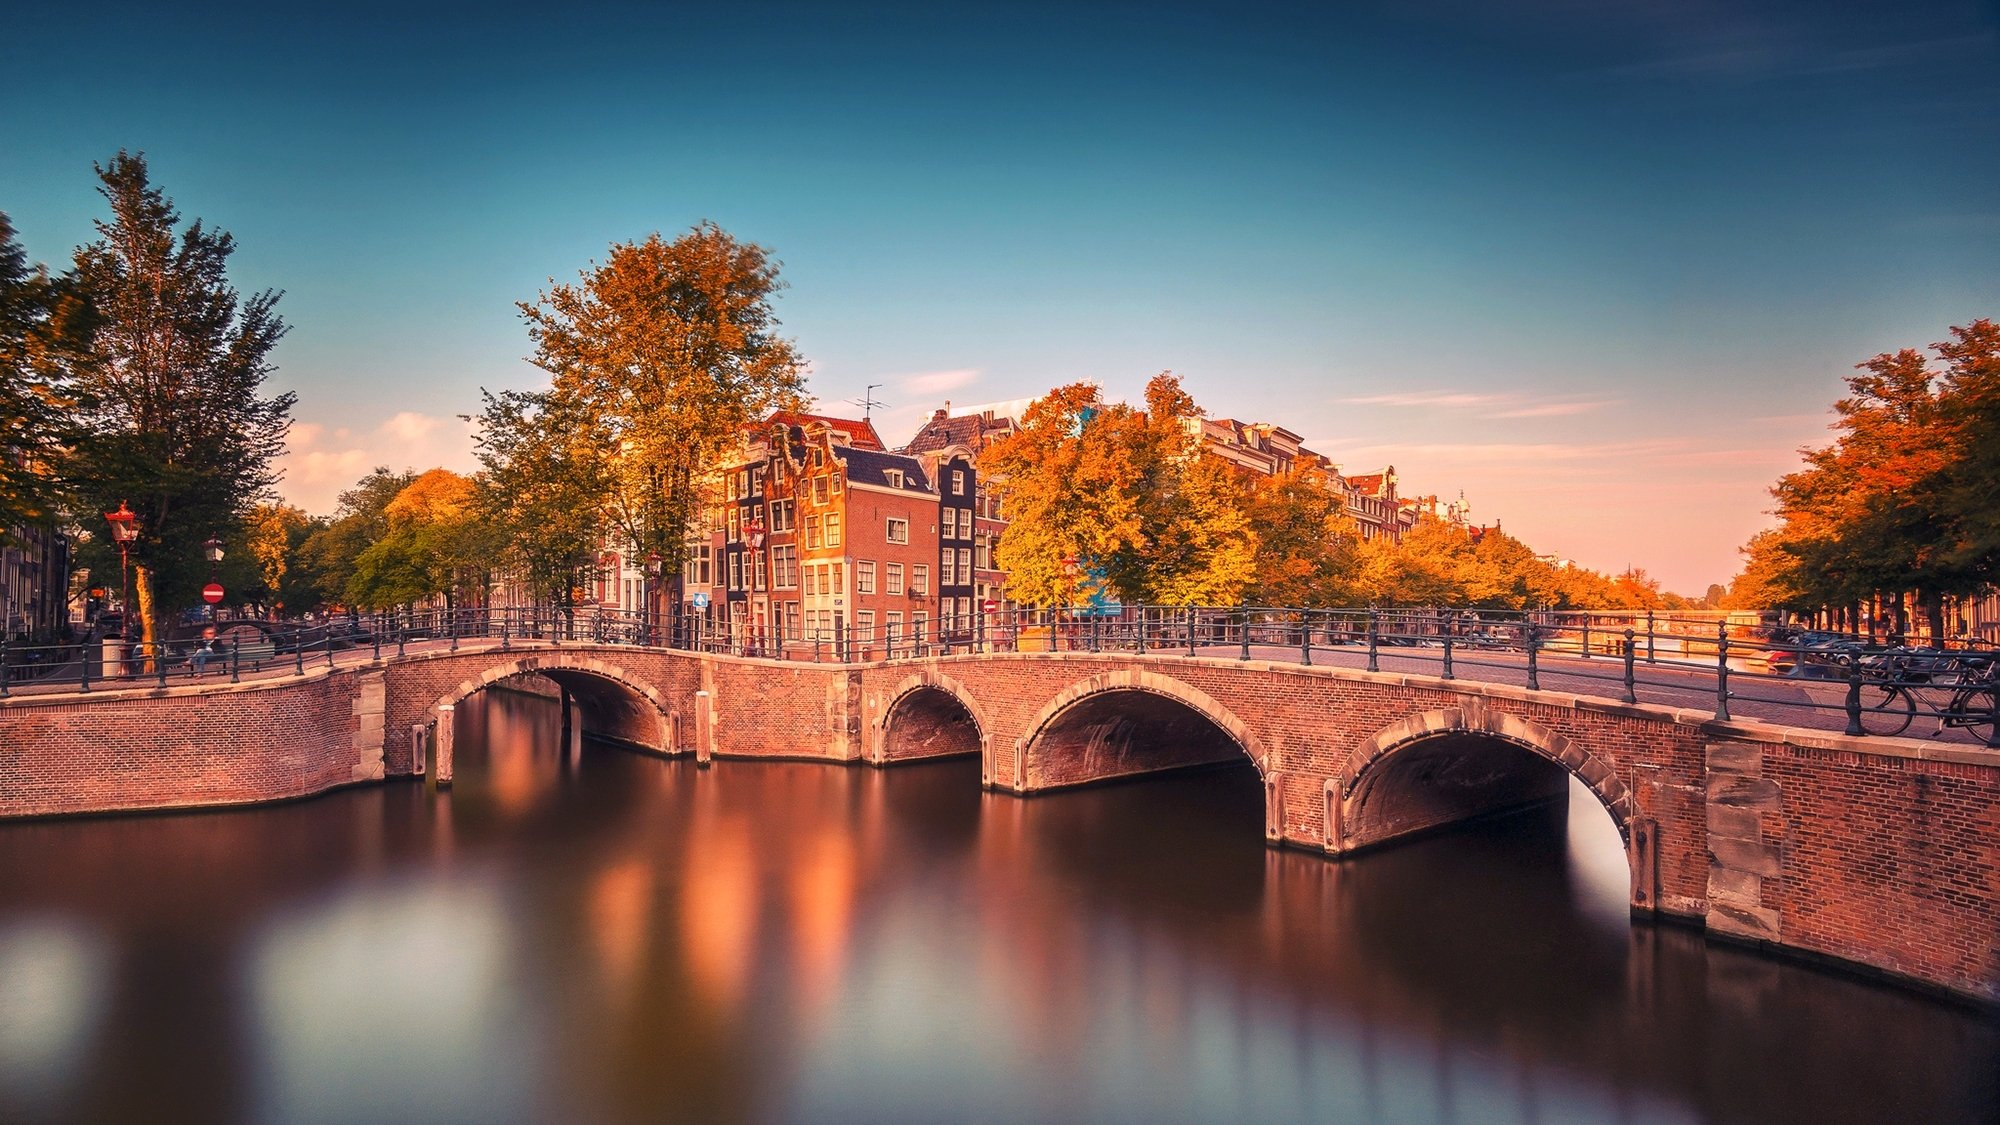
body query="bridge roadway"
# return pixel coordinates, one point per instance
(1878, 852)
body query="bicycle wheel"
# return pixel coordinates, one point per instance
(1975, 710)
(1886, 709)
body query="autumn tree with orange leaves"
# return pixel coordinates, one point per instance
(1903, 502)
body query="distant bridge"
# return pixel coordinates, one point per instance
(1881, 852)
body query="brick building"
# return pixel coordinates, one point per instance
(952, 443)
(821, 536)
(34, 584)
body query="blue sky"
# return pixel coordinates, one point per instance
(1600, 265)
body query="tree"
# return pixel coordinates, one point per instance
(1193, 545)
(543, 489)
(432, 547)
(1308, 545)
(273, 534)
(173, 414)
(38, 318)
(669, 348)
(1067, 482)
(359, 521)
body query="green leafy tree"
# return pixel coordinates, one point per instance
(173, 415)
(670, 348)
(543, 489)
(38, 321)
(359, 522)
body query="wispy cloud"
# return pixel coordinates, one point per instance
(936, 382)
(1490, 405)
(1425, 398)
(1554, 409)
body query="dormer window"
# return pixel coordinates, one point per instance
(895, 477)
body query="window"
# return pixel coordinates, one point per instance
(983, 552)
(965, 565)
(948, 569)
(761, 581)
(729, 487)
(781, 515)
(839, 582)
(899, 530)
(893, 579)
(864, 626)
(920, 578)
(893, 630)
(812, 582)
(946, 526)
(812, 532)
(785, 562)
(833, 529)
(918, 623)
(819, 490)
(791, 621)
(958, 482)
(864, 577)
(743, 482)
(698, 570)
(735, 531)
(736, 570)
(965, 523)
(894, 477)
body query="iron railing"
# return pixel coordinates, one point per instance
(1732, 668)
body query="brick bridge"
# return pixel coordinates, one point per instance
(1880, 852)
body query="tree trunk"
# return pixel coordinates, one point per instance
(149, 630)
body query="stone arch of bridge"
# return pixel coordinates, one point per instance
(1099, 702)
(928, 714)
(1448, 753)
(610, 701)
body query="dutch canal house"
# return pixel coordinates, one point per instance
(948, 438)
(824, 540)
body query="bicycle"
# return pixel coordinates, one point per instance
(1888, 705)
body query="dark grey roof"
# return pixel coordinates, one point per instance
(868, 466)
(974, 431)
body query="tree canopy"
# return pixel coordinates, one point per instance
(668, 349)
(1902, 501)
(172, 410)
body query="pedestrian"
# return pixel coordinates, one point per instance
(205, 651)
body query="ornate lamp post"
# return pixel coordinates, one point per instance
(653, 561)
(124, 530)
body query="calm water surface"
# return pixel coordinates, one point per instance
(613, 937)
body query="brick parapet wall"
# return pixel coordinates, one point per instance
(190, 747)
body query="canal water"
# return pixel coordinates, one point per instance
(611, 937)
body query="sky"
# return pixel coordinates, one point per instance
(1600, 265)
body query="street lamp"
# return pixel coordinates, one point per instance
(653, 562)
(124, 530)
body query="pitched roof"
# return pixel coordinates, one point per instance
(860, 432)
(869, 466)
(973, 431)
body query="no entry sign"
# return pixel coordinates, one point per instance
(212, 593)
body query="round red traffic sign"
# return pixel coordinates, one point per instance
(989, 605)
(212, 593)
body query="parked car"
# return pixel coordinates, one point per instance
(1812, 654)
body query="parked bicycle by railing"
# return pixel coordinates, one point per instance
(1893, 686)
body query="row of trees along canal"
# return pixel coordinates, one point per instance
(1901, 513)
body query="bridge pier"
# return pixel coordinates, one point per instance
(445, 739)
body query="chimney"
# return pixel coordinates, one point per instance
(939, 414)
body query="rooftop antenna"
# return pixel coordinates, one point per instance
(867, 402)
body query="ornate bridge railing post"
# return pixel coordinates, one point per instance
(1534, 665)
(1722, 673)
(1631, 686)
(1374, 635)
